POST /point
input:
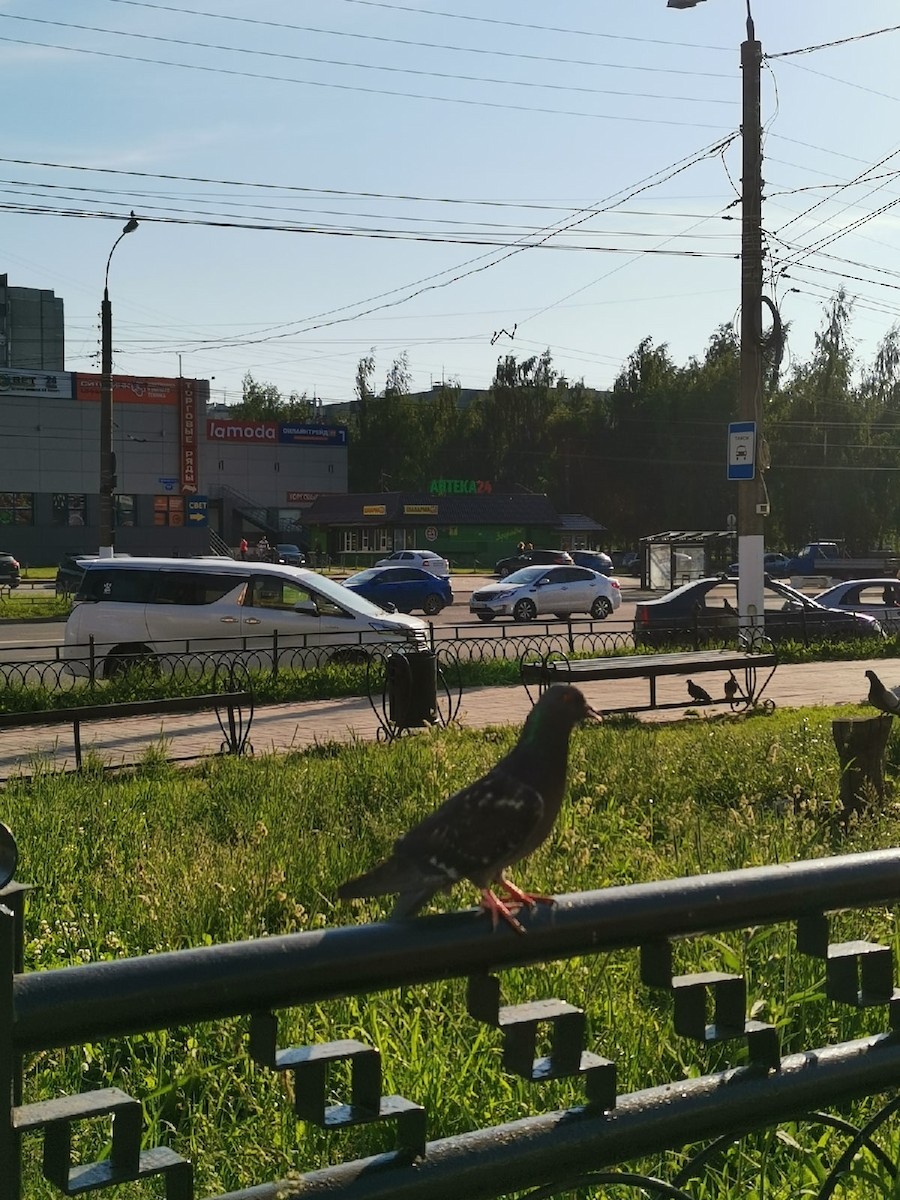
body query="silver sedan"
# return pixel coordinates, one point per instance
(560, 591)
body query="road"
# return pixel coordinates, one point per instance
(23, 641)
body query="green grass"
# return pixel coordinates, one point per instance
(164, 858)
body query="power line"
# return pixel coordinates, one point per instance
(859, 37)
(394, 41)
(346, 87)
(331, 62)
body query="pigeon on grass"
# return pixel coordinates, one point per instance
(881, 697)
(698, 694)
(478, 832)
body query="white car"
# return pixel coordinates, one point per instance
(555, 591)
(137, 609)
(426, 559)
(879, 598)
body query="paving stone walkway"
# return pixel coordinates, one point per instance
(285, 727)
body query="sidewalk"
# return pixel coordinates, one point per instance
(285, 727)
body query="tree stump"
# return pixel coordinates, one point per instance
(861, 743)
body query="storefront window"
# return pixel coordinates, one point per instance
(168, 510)
(124, 509)
(16, 508)
(69, 508)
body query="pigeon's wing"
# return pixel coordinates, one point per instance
(478, 831)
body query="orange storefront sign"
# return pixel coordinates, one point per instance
(129, 389)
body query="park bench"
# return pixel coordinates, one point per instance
(747, 665)
(234, 711)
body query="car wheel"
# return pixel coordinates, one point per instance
(601, 608)
(349, 655)
(433, 605)
(525, 610)
(123, 659)
(485, 616)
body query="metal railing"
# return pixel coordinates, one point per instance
(701, 1115)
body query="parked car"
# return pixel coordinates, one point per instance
(137, 609)
(70, 571)
(537, 590)
(708, 608)
(9, 570)
(557, 558)
(290, 554)
(595, 559)
(878, 598)
(776, 565)
(402, 589)
(426, 559)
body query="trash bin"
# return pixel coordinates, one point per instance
(412, 689)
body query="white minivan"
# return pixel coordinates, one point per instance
(138, 609)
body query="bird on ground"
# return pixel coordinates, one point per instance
(731, 689)
(881, 697)
(696, 692)
(481, 830)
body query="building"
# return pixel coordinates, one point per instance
(32, 334)
(467, 527)
(185, 484)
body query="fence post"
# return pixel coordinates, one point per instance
(93, 661)
(274, 653)
(10, 1159)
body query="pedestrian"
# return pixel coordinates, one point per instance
(262, 548)
(244, 548)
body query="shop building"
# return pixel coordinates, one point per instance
(185, 484)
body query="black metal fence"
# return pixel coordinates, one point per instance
(543, 1155)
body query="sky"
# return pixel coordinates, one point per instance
(454, 180)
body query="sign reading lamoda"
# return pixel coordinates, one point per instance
(242, 431)
(236, 430)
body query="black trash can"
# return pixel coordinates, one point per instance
(412, 689)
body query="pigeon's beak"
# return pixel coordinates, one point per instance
(591, 716)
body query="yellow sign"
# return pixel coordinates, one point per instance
(374, 510)
(420, 510)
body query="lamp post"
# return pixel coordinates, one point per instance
(752, 507)
(107, 457)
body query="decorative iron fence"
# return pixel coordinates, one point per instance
(596, 1142)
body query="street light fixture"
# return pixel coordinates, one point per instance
(107, 457)
(752, 507)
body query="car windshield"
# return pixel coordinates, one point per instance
(341, 595)
(287, 548)
(525, 575)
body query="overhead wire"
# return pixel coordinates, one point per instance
(231, 72)
(359, 66)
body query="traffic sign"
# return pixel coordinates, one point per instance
(742, 450)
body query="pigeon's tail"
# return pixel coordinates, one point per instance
(397, 874)
(393, 875)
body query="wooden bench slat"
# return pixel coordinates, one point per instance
(128, 708)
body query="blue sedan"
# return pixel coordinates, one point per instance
(402, 588)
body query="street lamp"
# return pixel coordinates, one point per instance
(107, 457)
(752, 507)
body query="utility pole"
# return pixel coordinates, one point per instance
(752, 508)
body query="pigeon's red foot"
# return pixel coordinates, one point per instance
(492, 903)
(528, 898)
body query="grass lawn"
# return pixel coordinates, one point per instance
(165, 858)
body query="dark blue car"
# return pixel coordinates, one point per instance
(402, 588)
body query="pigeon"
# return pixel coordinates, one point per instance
(731, 689)
(696, 692)
(481, 830)
(882, 697)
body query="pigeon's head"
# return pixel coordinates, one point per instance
(564, 707)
